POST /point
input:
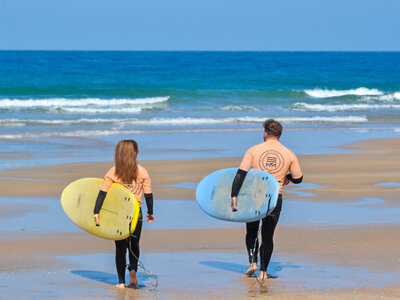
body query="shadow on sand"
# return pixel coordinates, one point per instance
(103, 277)
(109, 278)
(274, 267)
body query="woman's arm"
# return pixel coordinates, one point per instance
(149, 203)
(108, 181)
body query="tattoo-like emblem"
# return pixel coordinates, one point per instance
(134, 188)
(271, 161)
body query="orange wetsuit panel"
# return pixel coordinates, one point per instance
(142, 184)
(274, 158)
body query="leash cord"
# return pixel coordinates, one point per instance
(140, 263)
(252, 252)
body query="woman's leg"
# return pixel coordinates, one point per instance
(134, 250)
(120, 259)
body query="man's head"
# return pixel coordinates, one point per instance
(272, 128)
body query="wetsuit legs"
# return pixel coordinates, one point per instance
(267, 234)
(120, 251)
(120, 258)
(134, 246)
(267, 245)
(252, 241)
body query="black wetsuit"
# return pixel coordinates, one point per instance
(130, 244)
(267, 228)
(267, 233)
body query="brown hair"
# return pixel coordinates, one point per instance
(273, 128)
(125, 161)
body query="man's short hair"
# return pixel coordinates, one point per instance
(273, 128)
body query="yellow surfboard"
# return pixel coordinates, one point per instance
(118, 215)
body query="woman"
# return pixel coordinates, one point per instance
(133, 176)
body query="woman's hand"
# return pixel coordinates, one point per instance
(233, 205)
(96, 219)
(150, 218)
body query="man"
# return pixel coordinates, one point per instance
(274, 158)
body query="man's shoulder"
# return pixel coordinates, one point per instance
(254, 148)
(290, 152)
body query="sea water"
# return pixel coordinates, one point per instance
(78, 104)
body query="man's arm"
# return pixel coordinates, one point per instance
(295, 175)
(244, 167)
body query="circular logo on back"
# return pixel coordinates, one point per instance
(271, 161)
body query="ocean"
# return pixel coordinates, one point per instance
(53, 102)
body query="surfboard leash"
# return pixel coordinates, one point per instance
(252, 252)
(141, 264)
(257, 239)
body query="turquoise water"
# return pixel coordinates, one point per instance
(50, 100)
(90, 93)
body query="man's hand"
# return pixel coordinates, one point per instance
(233, 205)
(150, 218)
(96, 219)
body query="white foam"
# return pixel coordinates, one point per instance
(319, 119)
(323, 93)
(301, 106)
(101, 110)
(117, 125)
(390, 97)
(78, 133)
(238, 108)
(83, 102)
(24, 122)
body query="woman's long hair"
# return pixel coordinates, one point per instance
(125, 161)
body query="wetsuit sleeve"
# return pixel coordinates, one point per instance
(295, 181)
(149, 203)
(108, 181)
(237, 182)
(295, 171)
(99, 201)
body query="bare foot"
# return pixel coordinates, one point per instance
(251, 270)
(263, 276)
(120, 285)
(132, 278)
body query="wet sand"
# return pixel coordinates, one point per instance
(362, 260)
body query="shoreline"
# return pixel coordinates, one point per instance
(343, 176)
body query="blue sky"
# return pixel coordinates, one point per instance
(365, 25)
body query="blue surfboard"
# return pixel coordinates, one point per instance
(257, 197)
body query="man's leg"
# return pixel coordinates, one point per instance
(267, 233)
(252, 245)
(267, 245)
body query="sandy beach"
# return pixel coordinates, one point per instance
(349, 255)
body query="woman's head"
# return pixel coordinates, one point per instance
(125, 160)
